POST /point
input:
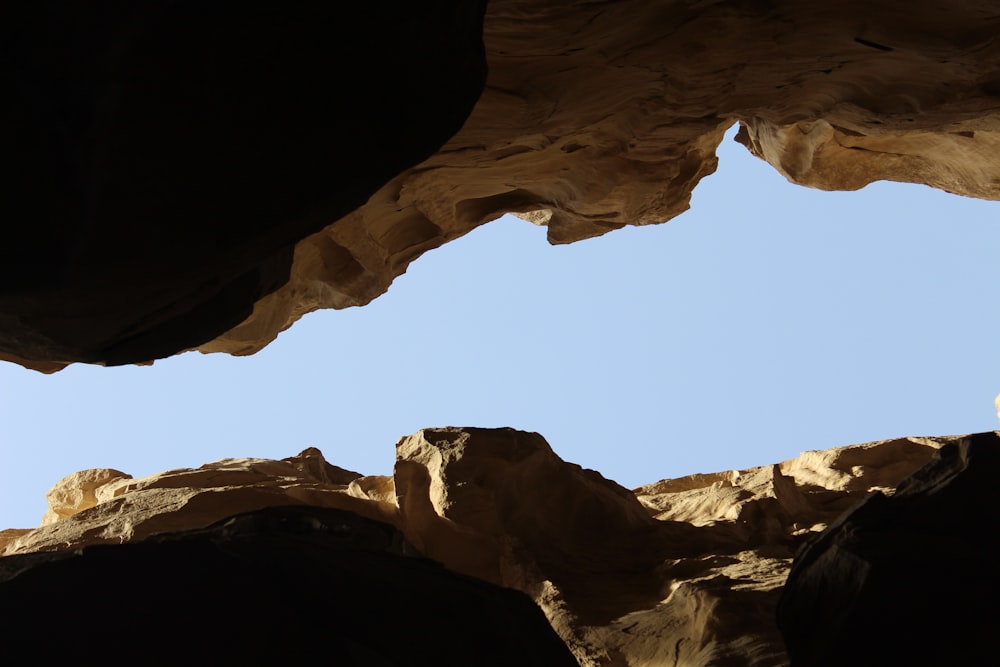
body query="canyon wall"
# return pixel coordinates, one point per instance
(198, 175)
(157, 204)
(684, 571)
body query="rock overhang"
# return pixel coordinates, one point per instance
(592, 117)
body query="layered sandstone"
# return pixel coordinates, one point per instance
(593, 116)
(682, 571)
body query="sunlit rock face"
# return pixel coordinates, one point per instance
(275, 164)
(684, 571)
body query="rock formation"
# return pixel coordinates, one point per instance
(163, 159)
(198, 175)
(685, 571)
(279, 586)
(290, 157)
(907, 576)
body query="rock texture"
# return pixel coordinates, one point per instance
(279, 586)
(685, 571)
(608, 114)
(909, 577)
(160, 201)
(161, 159)
(135, 509)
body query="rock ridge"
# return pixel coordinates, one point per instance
(687, 570)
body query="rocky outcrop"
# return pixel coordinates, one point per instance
(278, 586)
(134, 509)
(162, 201)
(910, 576)
(161, 160)
(597, 116)
(685, 571)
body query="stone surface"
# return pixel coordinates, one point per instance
(910, 578)
(184, 499)
(684, 571)
(79, 491)
(8, 535)
(287, 199)
(161, 160)
(605, 115)
(278, 586)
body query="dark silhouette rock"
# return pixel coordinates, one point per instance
(290, 585)
(201, 174)
(906, 579)
(161, 159)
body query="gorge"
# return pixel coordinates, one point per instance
(593, 116)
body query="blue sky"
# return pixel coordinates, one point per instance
(768, 320)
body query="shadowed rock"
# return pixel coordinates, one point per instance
(162, 159)
(292, 586)
(909, 577)
(201, 174)
(684, 571)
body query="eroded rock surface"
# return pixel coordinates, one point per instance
(134, 509)
(684, 571)
(239, 197)
(597, 116)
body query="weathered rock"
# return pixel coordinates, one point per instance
(79, 491)
(595, 117)
(162, 159)
(684, 571)
(145, 223)
(278, 586)
(186, 499)
(909, 577)
(8, 535)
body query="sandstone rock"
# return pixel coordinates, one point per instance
(162, 159)
(597, 117)
(184, 499)
(909, 577)
(593, 117)
(79, 491)
(685, 571)
(8, 535)
(279, 586)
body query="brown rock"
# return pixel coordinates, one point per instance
(79, 491)
(593, 117)
(685, 571)
(133, 509)
(8, 535)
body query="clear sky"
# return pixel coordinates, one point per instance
(768, 320)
